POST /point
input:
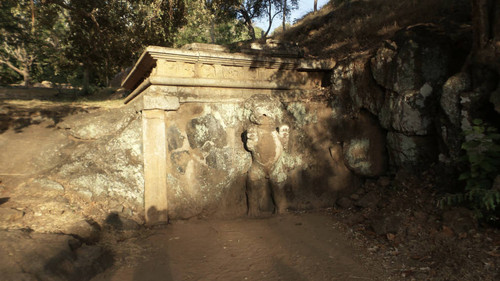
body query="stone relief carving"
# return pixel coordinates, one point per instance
(266, 141)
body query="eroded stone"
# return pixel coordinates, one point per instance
(205, 129)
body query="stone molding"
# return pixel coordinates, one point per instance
(148, 61)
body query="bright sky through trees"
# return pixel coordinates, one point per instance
(305, 6)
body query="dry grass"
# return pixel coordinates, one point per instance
(47, 97)
(337, 31)
(49, 103)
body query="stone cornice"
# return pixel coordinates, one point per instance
(152, 54)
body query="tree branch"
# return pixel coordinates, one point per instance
(69, 8)
(11, 66)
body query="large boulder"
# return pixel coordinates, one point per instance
(364, 146)
(107, 167)
(411, 151)
(411, 112)
(417, 55)
(450, 97)
(353, 79)
(97, 124)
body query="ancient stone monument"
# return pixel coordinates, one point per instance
(231, 133)
(267, 141)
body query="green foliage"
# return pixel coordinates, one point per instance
(18, 38)
(205, 23)
(88, 42)
(482, 156)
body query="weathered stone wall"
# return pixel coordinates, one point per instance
(209, 160)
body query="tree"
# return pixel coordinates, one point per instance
(88, 42)
(485, 17)
(286, 9)
(17, 50)
(105, 36)
(248, 10)
(315, 6)
(32, 35)
(209, 22)
(284, 15)
(23, 58)
(273, 8)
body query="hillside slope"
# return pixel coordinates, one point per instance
(339, 30)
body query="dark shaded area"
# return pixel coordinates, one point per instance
(156, 217)
(28, 255)
(81, 264)
(4, 200)
(117, 222)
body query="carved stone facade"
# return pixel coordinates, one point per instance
(267, 141)
(230, 134)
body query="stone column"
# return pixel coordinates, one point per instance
(155, 104)
(155, 166)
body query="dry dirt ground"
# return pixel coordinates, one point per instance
(290, 247)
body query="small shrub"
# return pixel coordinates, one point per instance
(482, 156)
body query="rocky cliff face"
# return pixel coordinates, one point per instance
(416, 89)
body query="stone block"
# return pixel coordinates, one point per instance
(175, 138)
(159, 101)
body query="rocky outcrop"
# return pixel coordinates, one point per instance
(353, 79)
(416, 56)
(92, 168)
(412, 68)
(96, 124)
(401, 84)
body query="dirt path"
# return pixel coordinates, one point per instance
(292, 247)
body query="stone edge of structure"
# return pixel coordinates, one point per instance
(137, 80)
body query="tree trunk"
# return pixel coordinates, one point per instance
(26, 78)
(284, 15)
(481, 19)
(248, 23)
(32, 16)
(251, 31)
(315, 6)
(23, 70)
(212, 31)
(486, 32)
(270, 19)
(86, 80)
